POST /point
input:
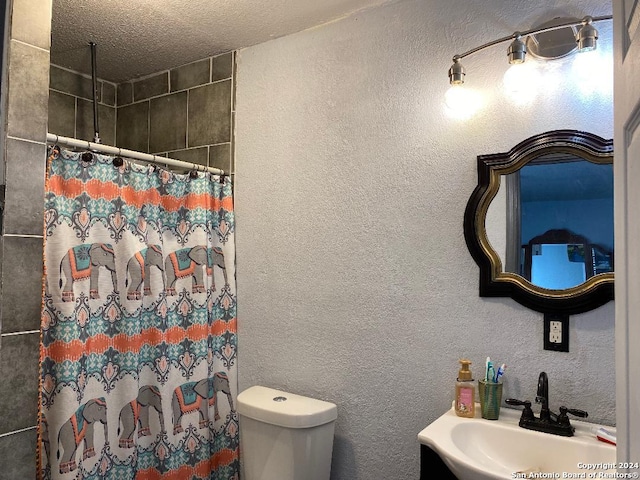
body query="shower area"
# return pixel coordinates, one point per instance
(184, 113)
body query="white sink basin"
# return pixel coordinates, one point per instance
(478, 449)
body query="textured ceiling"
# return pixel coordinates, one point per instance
(140, 37)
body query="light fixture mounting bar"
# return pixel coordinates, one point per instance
(529, 32)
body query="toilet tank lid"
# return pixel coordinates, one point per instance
(285, 409)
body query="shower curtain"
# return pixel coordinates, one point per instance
(138, 339)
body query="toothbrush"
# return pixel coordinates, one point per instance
(500, 372)
(486, 369)
(491, 373)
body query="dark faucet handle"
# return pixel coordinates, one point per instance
(527, 413)
(573, 411)
(564, 419)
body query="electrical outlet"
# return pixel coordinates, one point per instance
(556, 332)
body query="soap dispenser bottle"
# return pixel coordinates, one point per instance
(465, 405)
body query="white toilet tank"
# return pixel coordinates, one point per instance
(284, 436)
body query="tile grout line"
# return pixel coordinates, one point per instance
(148, 124)
(75, 116)
(14, 334)
(84, 75)
(186, 127)
(23, 235)
(171, 93)
(79, 97)
(17, 431)
(30, 45)
(26, 140)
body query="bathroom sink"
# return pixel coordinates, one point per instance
(478, 449)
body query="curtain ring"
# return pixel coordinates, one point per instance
(117, 161)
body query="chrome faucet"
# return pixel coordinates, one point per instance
(548, 421)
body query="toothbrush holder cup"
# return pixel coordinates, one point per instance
(490, 398)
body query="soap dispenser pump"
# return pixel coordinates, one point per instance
(465, 405)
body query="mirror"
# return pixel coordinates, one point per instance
(540, 222)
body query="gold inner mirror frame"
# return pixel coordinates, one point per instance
(494, 282)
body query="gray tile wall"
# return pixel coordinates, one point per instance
(23, 146)
(71, 106)
(3, 11)
(185, 113)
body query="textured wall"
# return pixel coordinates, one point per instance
(354, 282)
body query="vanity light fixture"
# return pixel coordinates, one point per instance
(517, 51)
(587, 36)
(456, 72)
(585, 40)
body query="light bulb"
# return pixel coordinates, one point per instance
(462, 102)
(593, 72)
(521, 82)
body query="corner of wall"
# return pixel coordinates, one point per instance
(24, 126)
(5, 23)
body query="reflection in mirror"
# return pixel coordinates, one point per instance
(554, 193)
(539, 224)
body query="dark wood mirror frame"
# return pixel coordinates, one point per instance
(494, 282)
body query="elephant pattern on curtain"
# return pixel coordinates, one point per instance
(138, 336)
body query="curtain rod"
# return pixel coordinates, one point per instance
(94, 82)
(98, 147)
